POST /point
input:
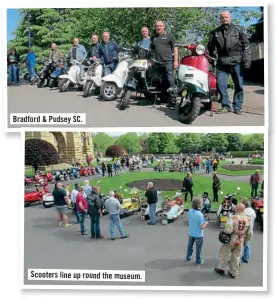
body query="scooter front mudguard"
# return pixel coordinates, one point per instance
(67, 76)
(114, 79)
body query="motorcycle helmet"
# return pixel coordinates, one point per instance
(224, 238)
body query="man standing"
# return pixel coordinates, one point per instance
(239, 228)
(93, 52)
(74, 194)
(55, 54)
(233, 51)
(31, 61)
(87, 188)
(61, 202)
(252, 214)
(187, 185)
(152, 198)
(216, 186)
(95, 212)
(107, 52)
(77, 52)
(196, 226)
(254, 183)
(208, 164)
(82, 208)
(164, 51)
(112, 206)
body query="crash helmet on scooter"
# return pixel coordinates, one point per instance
(223, 237)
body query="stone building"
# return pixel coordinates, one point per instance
(70, 145)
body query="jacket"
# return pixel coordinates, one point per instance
(152, 196)
(93, 51)
(13, 59)
(112, 205)
(56, 55)
(252, 214)
(187, 183)
(81, 53)
(94, 203)
(239, 226)
(216, 183)
(31, 59)
(255, 179)
(232, 45)
(108, 52)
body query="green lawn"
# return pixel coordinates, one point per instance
(29, 172)
(234, 172)
(201, 184)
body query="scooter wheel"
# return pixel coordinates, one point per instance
(52, 83)
(124, 103)
(63, 85)
(188, 114)
(40, 83)
(109, 91)
(87, 89)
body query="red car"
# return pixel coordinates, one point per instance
(34, 196)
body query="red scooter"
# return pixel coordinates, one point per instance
(196, 83)
(35, 196)
(258, 206)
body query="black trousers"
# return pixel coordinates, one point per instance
(189, 191)
(254, 190)
(168, 70)
(215, 191)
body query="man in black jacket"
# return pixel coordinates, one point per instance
(232, 46)
(187, 185)
(152, 198)
(95, 211)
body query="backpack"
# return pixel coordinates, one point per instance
(92, 203)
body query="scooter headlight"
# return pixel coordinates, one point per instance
(200, 50)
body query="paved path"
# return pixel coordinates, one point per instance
(30, 99)
(159, 250)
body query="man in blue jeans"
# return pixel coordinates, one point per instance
(233, 52)
(152, 198)
(112, 206)
(31, 61)
(196, 226)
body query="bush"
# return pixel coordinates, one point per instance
(256, 162)
(244, 154)
(115, 151)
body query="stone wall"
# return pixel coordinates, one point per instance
(70, 145)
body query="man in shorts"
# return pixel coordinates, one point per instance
(61, 202)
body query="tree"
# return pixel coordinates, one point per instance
(131, 143)
(189, 142)
(217, 141)
(40, 153)
(162, 143)
(143, 143)
(102, 141)
(115, 151)
(254, 142)
(235, 142)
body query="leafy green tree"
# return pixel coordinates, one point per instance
(254, 142)
(102, 141)
(162, 143)
(235, 142)
(189, 142)
(131, 143)
(218, 141)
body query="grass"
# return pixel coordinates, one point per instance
(201, 184)
(235, 172)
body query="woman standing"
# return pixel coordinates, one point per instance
(187, 185)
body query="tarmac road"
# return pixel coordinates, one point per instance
(30, 99)
(159, 250)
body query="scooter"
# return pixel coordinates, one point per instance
(93, 77)
(258, 207)
(196, 83)
(73, 77)
(44, 76)
(35, 196)
(113, 84)
(54, 76)
(173, 209)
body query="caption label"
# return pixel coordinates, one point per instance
(47, 119)
(86, 275)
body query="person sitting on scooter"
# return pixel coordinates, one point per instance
(77, 52)
(107, 52)
(206, 208)
(55, 55)
(143, 46)
(164, 51)
(93, 52)
(226, 205)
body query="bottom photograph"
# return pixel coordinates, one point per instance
(133, 210)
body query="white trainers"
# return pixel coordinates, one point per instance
(201, 264)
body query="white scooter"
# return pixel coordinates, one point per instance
(93, 77)
(48, 200)
(73, 77)
(112, 84)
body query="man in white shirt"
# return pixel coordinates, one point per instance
(74, 194)
(252, 214)
(87, 188)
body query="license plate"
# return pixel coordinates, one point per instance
(164, 221)
(142, 218)
(262, 210)
(224, 219)
(139, 63)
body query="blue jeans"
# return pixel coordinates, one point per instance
(115, 220)
(246, 252)
(199, 243)
(82, 217)
(109, 68)
(13, 73)
(236, 73)
(76, 213)
(152, 213)
(31, 70)
(95, 226)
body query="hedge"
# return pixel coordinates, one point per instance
(256, 162)
(244, 154)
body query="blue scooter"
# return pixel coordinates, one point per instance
(54, 77)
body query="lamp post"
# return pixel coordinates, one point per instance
(29, 31)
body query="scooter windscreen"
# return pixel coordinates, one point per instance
(144, 48)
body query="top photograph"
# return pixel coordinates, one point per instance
(136, 67)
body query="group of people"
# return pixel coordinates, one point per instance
(228, 42)
(87, 202)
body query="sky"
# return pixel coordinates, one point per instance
(14, 17)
